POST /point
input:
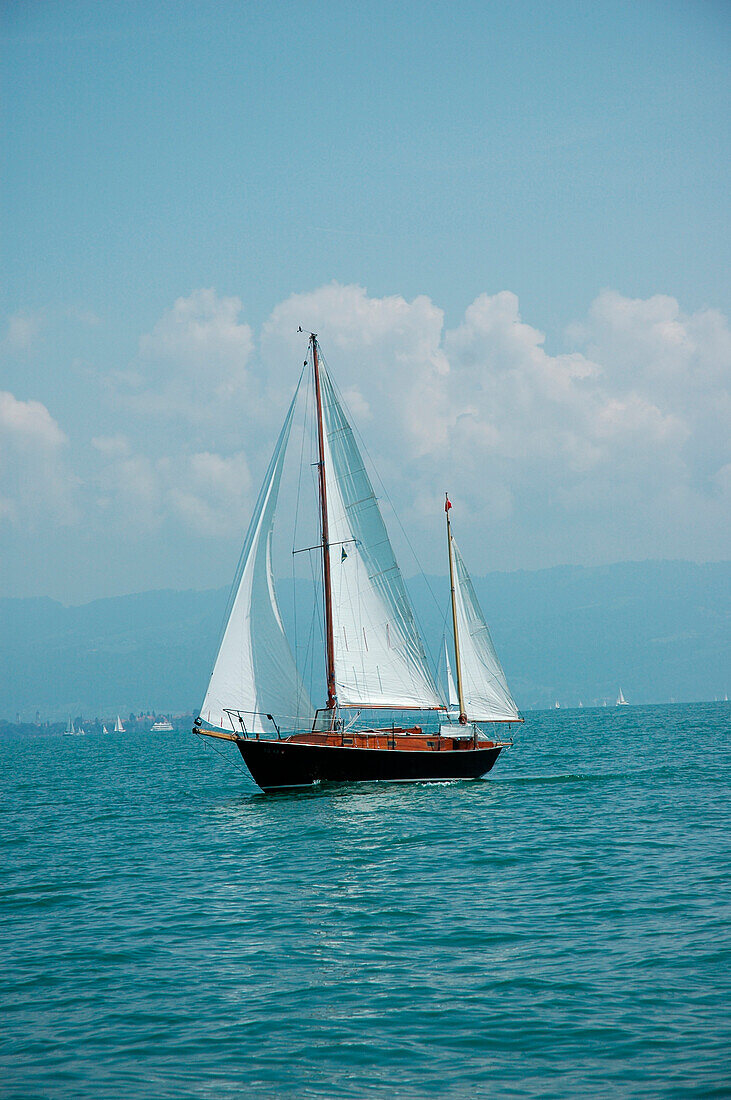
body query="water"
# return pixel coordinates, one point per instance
(559, 929)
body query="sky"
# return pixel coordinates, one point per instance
(508, 223)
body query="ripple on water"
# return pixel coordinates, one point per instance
(559, 929)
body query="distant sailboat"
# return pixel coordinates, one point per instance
(72, 731)
(374, 655)
(118, 727)
(621, 701)
(580, 704)
(557, 705)
(104, 729)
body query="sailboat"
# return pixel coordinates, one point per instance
(621, 701)
(104, 729)
(374, 657)
(118, 727)
(72, 731)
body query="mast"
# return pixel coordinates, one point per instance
(329, 645)
(457, 660)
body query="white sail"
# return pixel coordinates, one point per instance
(486, 693)
(118, 727)
(255, 672)
(451, 689)
(378, 654)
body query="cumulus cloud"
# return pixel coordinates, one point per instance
(612, 448)
(35, 483)
(382, 350)
(613, 445)
(204, 492)
(194, 364)
(681, 362)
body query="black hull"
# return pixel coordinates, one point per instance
(278, 764)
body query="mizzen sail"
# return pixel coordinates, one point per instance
(486, 693)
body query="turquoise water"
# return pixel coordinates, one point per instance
(558, 929)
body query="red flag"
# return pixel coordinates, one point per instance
(447, 505)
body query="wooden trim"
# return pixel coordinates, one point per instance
(220, 735)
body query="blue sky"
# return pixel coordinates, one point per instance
(439, 152)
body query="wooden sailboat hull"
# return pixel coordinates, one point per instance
(279, 764)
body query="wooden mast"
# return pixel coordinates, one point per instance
(329, 646)
(457, 659)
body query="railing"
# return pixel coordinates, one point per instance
(293, 723)
(241, 722)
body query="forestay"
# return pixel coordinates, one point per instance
(255, 671)
(378, 655)
(486, 693)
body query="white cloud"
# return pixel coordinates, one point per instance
(194, 364)
(679, 362)
(203, 492)
(383, 351)
(615, 446)
(612, 449)
(35, 484)
(23, 329)
(114, 445)
(28, 423)
(25, 326)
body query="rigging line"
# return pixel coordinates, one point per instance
(224, 756)
(360, 439)
(318, 546)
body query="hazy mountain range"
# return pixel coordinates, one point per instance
(658, 629)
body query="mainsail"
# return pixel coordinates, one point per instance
(379, 657)
(486, 693)
(255, 671)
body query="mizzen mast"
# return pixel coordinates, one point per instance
(455, 629)
(327, 586)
